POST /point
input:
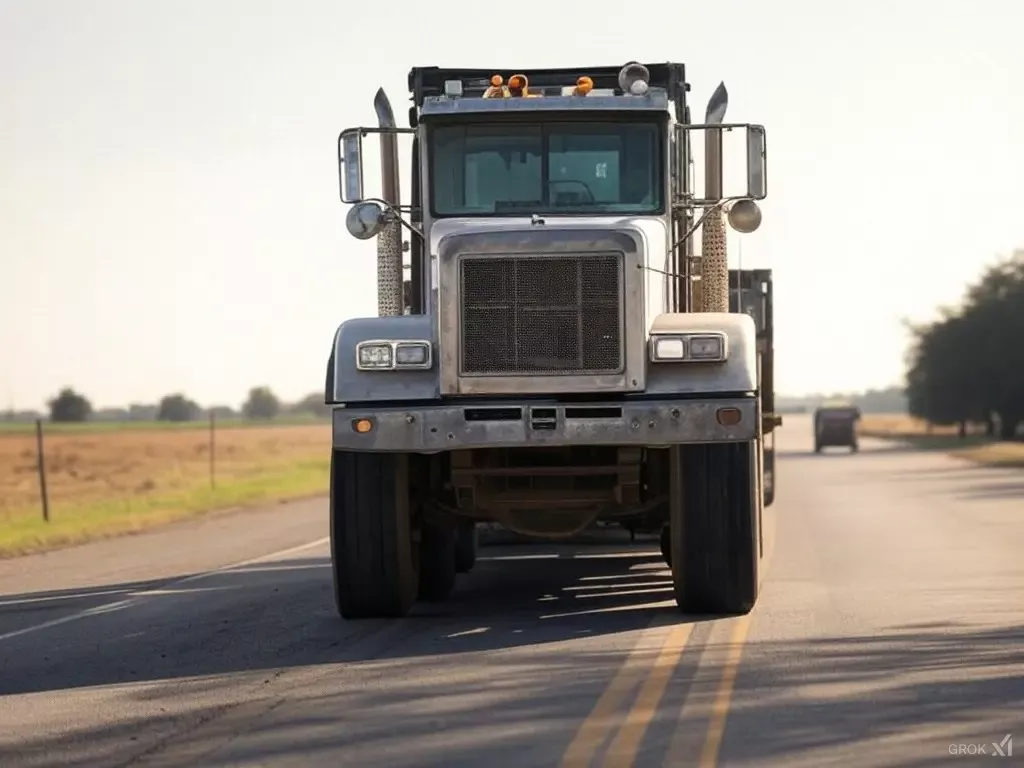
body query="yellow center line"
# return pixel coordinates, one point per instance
(720, 708)
(599, 722)
(623, 749)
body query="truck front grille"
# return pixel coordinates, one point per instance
(542, 315)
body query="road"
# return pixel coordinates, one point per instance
(889, 631)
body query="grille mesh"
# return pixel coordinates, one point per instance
(541, 314)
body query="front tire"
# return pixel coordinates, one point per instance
(437, 561)
(714, 527)
(466, 543)
(372, 556)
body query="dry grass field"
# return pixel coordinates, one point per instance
(114, 481)
(899, 425)
(975, 447)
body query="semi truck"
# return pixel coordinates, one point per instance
(561, 352)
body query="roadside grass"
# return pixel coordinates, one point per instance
(975, 446)
(104, 484)
(88, 427)
(77, 523)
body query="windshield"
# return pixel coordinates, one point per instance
(520, 169)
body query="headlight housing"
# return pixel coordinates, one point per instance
(381, 355)
(689, 348)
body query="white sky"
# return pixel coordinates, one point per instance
(169, 215)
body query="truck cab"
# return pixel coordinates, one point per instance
(560, 353)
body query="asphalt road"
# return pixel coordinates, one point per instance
(889, 632)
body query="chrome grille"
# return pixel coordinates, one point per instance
(541, 314)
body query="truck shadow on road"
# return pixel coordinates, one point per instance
(281, 614)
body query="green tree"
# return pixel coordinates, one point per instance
(261, 404)
(177, 407)
(969, 364)
(69, 406)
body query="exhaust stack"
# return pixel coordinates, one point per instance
(714, 270)
(389, 241)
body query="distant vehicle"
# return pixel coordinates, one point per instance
(836, 425)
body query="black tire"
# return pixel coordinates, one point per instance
(466, 542)
(437, 561)
(715, 527)
(666, 545)
(372, 556)
(768, 474)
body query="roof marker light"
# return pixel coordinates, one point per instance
(583, 86)
(495, 90)
(518, 85)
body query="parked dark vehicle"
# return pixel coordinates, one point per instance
(836, 426)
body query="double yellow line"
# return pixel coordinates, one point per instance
(602, 720)
(625, 746)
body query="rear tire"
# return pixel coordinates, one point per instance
(466, 543)
(437, 561)
(714, 529)
(372, 557)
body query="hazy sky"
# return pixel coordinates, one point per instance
(169, 215)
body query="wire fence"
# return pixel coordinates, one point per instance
(52, 467)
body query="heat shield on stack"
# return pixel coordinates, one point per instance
(714, 263)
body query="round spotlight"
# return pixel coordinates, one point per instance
(365, 220)
(744, 216)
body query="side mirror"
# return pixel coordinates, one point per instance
(350, 169)
(366, 219)
(756, 160)
(757, 163)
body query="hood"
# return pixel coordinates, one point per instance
(652, 230)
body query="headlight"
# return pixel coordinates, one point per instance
(707, 348)
(393, 355)
(375, 356)
(689, 347)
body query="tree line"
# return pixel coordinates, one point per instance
(967, 367)
(261, 403)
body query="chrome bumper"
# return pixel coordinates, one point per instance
(430, 428)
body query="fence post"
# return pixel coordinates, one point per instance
(213, 446)
(41, 456)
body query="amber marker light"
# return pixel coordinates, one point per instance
(728, 417)
(584, 86)
(362, 426)
(517, 84)
(495, 90)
